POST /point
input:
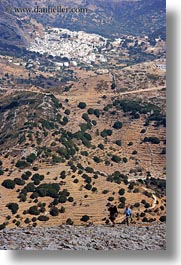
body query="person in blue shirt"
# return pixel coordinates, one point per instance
(128, 214)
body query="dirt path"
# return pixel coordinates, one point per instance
(79, 96)
(154, 202)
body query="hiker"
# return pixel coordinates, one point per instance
(128, 214)
(113, 212)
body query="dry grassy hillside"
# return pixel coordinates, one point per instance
(65, 156)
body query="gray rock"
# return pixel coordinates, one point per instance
(85, 238)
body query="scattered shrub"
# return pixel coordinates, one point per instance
(134, 152)
(96, 159)
(136, 190)
(37, 178)
(26, 175)
(137, 204)
(147, 205)
(62, 209)
(76, 181)
(88, 186)
(118, 142)
(105, 191)
(94, 122)
(22, 164)
(90, 111)
(19, 181)
(84, 153)
(110, 199)
(94, 189)
(85, 117)
(101, 146)
(8, 183)
(35, 168)
(163, 218)
(145, 220)
(34, 219)
(27, 221)
(142, 214)
(31, 158)
(62, 198)
(95, 176)
(63, 174)
(69, 222)
(131, 186)
(116, 159)
(17, 223)
(13, 207)
(30, 187)
(84, 218)
(89, 169)
(121, 205)
(121, 191)
(70, 199)
(54, 211)
(50, 190)
(82, 105)
(43, 218)
(33, 210)
(122, 199)
(153, 140)
(163, 152)
(97, 113)
(162, 208)
(106, 132)
(118, 125)
(67, 112)
(125, 160)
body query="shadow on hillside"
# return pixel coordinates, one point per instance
(172, 236)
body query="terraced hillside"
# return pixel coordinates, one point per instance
(65, 156)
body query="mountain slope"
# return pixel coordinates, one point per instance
(108, 18)
(85, 238)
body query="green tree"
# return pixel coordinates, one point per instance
(84, 218)
(118, 125)
(33, 210)
(131, 186)
(22, 164)
(8, 183)
(13, 207)
(82, 105)
(69, 221)
(54, 211)
(163, 218)
(121, 191)
(31, 158)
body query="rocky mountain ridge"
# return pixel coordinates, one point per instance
(109, 18)
(85, 238)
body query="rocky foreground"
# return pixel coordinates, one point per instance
(85, 238)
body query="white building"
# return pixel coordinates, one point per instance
(66, 64)
(73, 63)
(161, 67)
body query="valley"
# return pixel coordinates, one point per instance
(83, 119)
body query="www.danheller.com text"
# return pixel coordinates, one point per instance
(47, 9)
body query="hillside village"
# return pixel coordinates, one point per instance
(89, 49)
